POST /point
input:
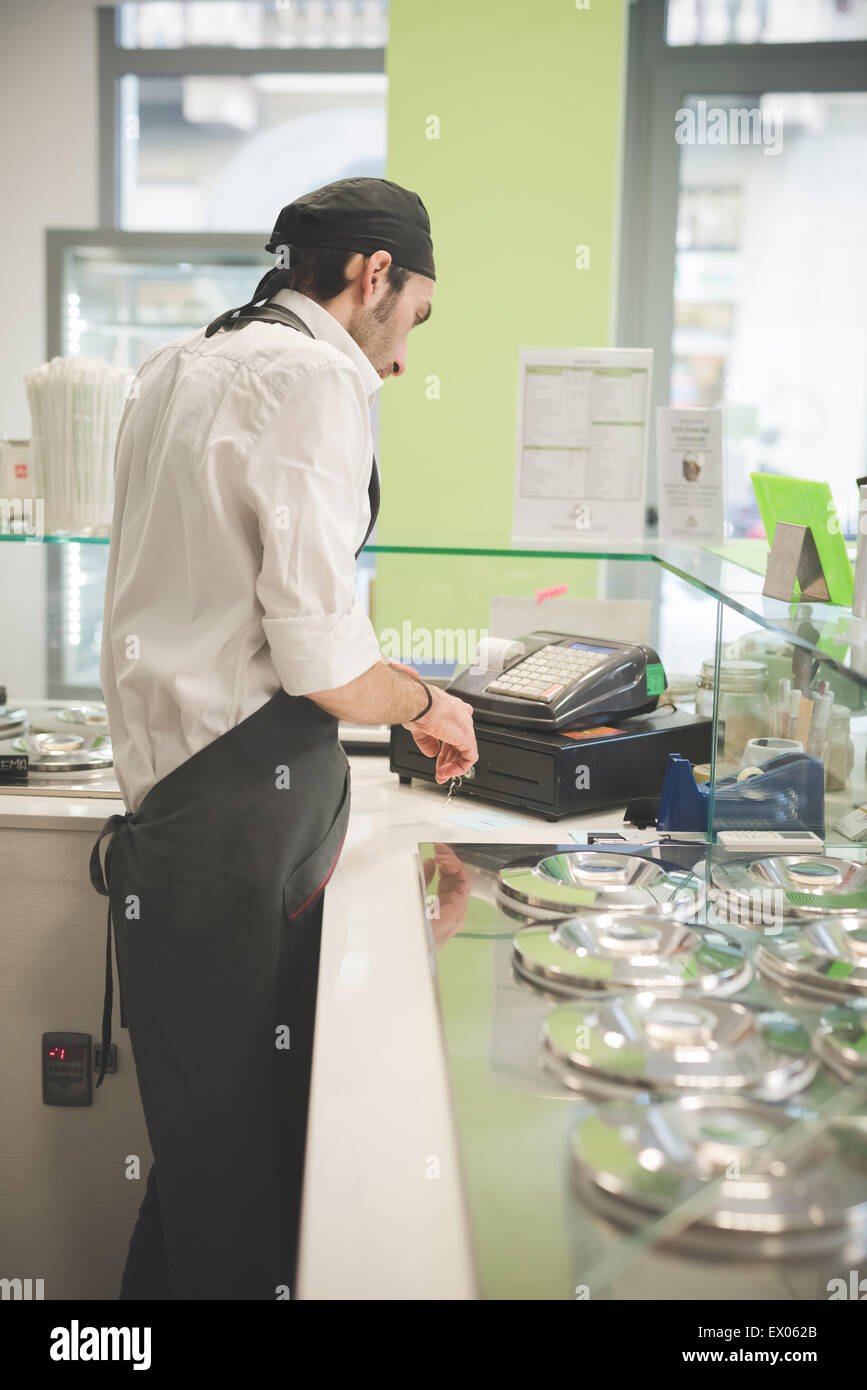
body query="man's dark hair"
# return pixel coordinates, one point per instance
(319, 272)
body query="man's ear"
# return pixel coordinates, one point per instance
(376, 272)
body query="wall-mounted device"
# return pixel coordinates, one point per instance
(66, 1068)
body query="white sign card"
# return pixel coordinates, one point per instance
(581, 450)
(690, 471)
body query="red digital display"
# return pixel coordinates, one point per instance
(67, 1054)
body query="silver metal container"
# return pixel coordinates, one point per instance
(601, 951)
(786, 887)
(841, 1039)
(576, 881)
(825, 958)
(736, 1178)
(629, 1044)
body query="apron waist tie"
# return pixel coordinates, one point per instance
(100, 881)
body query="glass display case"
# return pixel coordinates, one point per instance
(656, 1045)
(118, 296)
(648, 1105)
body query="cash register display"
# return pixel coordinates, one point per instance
(562, 680)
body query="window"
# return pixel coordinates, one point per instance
(280, 24)
(744, 206)
(764, 21)
(224, 153)
(213, 116)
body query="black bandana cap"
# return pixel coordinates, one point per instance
(360, 214)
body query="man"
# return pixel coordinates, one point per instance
(233, 642)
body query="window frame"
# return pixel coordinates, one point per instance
(115, 62)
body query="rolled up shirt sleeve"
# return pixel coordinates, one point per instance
(306, 479)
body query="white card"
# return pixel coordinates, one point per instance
(690, 471)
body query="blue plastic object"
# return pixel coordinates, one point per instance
(787, 794)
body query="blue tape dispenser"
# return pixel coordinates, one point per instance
(788, 793)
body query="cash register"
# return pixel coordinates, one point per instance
(568, 724)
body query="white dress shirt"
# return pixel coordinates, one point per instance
(241, 475)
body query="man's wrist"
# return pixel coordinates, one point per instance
(417, 717)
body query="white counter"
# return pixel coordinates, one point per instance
(375, 1223)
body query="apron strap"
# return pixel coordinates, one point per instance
(99, 879)
(373, 502)
(267, 313)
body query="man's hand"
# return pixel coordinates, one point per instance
(384, 694)
(446, 733)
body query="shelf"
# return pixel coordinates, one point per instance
(731, 575)
(55, 540)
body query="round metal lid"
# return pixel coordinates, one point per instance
(751, 1191)
(639, 1042)
(602, 951)
(87, 719)
(789, 886)
(11, 720)
(53, 753)
(841, 1039)
(89, 716)
(598, 881)
(827, 956)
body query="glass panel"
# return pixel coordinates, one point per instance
(764, 21)
(121, 304)
(586, 1173)
(770, 292)
(225, 153)
(51, 634)
(280, 24)
(781, 691)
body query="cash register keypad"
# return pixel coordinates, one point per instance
(543, 675)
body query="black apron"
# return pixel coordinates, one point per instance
(215, 895)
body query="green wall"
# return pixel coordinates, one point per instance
(528, 96)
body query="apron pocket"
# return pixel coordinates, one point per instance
(309, 878)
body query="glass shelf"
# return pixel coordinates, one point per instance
(430, 605)
(57, 540)
(839, 639)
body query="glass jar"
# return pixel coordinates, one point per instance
(839, 750)
(744, 709)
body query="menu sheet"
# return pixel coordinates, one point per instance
(581, 452)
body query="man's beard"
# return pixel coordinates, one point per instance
(372, 331)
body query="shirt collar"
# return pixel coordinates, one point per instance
(325, 326)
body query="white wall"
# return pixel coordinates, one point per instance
(48, 169)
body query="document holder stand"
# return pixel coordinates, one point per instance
(794, 557)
